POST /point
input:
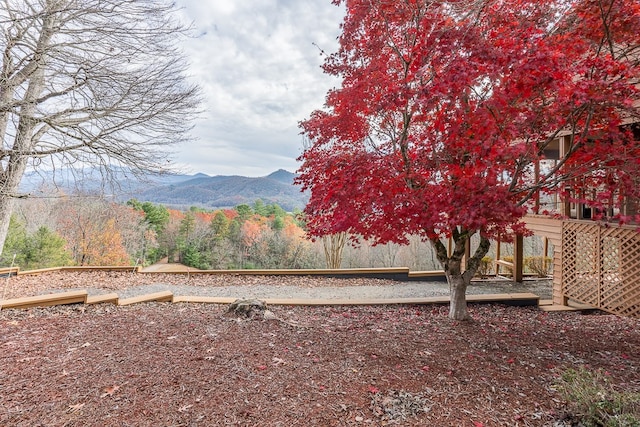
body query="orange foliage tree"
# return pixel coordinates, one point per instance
(92, 232)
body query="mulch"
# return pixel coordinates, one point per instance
(161, 364)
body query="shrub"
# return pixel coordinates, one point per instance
(539, 265)
(486, 267)
(595, 403)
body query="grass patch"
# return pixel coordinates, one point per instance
(595, 403)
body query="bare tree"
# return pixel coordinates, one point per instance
(89, 83)
(333, 245)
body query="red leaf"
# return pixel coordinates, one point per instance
(442, 143)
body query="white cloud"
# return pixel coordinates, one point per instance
(260, 74)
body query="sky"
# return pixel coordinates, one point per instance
(258, 65)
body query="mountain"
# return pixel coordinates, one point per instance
(283, 176)
(178, 191)
(228, 191)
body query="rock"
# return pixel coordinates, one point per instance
(247, 309)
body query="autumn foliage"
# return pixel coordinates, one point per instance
(91, 231)
(447, 108)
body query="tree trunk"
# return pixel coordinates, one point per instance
(15, 162)
(458, 278)
(458, 296)
(333, 246)
(6, 208)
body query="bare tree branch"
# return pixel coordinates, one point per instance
(93, 83)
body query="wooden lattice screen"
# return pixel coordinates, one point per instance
(601, 266)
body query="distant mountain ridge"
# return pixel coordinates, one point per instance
(183, 191)
(228, 191)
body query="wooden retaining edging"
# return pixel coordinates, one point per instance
(432, 276)
(203, 300)
(111, 298)
(394, 273)
(130, 268)
(60, 298)
(9, 271)
(164, 296)
(519, 299)
(73, 297)
(548, 305)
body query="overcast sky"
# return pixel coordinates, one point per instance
(260, 75)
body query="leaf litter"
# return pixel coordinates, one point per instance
(376, 365)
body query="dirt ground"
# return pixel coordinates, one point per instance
(162, 364)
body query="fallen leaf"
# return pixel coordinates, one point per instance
(108, 391)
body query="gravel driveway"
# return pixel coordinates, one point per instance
(130, 284)
(382, 291)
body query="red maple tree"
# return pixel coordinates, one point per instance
(447, 109)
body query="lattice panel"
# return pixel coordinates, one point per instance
(601, 267)
(621, 293)
(579, 263)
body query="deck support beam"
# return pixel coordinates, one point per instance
(518, 258)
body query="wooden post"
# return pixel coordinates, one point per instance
(497, 258)
(536, 206)
(518, 260)
(580, 206)
(566, 205)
